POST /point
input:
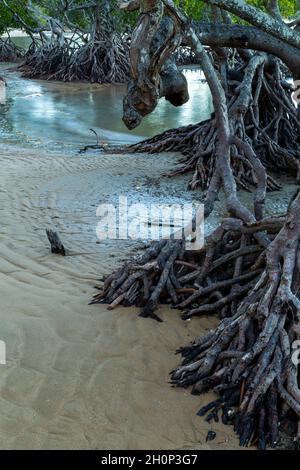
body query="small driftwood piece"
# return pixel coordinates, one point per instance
(56, 245)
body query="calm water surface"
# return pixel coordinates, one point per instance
(60, 115)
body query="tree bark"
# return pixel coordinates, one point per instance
(248, 271)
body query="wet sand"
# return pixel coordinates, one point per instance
(79, 376)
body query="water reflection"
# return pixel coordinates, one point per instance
(61, 114)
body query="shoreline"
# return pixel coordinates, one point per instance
(19, 33)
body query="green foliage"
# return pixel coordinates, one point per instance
(7, 15)
(288, 8)
(197, 10)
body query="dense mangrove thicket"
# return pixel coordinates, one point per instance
(70, 40)
(88, 40)
(248, 272)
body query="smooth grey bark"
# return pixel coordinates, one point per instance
(260, 19)
(273, 8)
(249, 37)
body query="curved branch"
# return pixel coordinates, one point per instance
(260, 19)
(129, 5)
(249, 37)
(272, 7)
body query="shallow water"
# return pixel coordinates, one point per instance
(60, 115)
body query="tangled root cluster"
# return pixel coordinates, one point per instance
(10, 52)
(98, 61)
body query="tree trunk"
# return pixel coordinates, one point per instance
(248, 271)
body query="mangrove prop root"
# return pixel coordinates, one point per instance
(185, 56)
(255, 290)
(264, 117)
(248, 272)
(196, 282)
(9, 51)
(261, 113)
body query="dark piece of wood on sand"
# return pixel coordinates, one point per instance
(56, 245)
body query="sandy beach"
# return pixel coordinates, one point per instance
(79, 376)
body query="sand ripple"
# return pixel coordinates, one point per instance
(78, 376)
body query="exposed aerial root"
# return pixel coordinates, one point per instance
(185, 56)
(249, 359)
(99, 61)
(261, 113)
(43, 60)
(195, 282)
(9, 51)
(265, 118)
(248, 272)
